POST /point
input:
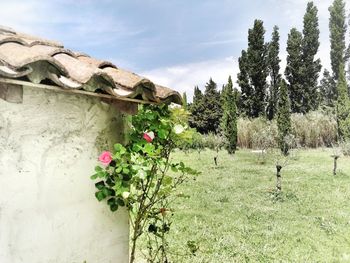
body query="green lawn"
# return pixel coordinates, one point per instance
(233, 215)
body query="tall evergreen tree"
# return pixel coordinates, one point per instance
(343, 106)
(274, 67)
(293, 70)
(347, 57)
(283, 118)
(311, 66)
(213, 111)
(237, 95)
(257, 67)
(222, 95)
(184, 101)
(196, 120)
(327, 93)
(337, 29)
(229, 118)
(246, 98)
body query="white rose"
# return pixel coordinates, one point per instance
(125, 195)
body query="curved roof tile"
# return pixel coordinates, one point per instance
(22, 55)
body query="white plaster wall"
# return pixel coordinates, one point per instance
(48, 212)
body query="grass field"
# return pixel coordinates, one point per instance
(233, 215)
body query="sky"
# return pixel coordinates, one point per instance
(176, 43)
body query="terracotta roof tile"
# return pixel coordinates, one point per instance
(22, 55)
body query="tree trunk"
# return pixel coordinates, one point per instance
(134, 239)
(216, 157)
(279, 178)
(335, 157)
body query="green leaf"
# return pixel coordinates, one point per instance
(174, 169)
(102, 174)
(100, 196)
(119, 148)
(120, 202)
(118, 169)
(113, 207)
(148, 148)
(111, 201)
(137, 147)
(98, 169)
(126, 170)
(162, 134)
(167, 180)
(94, 176)
(100, 185)
(106, 191)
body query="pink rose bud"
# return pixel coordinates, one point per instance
(148, 136)
(105, 157)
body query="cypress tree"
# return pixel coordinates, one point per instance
(246, 101)
(347, 58)
(222, 95)
(237, 95)
(184, 101)
(327, 93)
(337, 29)
(293, 70)
(197, 110)
(311, 67)
(212, 108)
(257, 67)
(343, 106)
(229, 119)
(274, 67)
(283, 118)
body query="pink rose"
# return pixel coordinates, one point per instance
(105, 157)
(148, 136)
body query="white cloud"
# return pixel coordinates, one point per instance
(65, 21)
(184, 77)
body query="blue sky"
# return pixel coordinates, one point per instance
(175, 43)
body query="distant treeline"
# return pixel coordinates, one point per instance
(259, 78)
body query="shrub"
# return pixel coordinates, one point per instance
(249, 130)
(197, 142)
(315, 129)
(345, 148)
(214, 141)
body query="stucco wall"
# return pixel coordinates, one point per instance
(48, 149)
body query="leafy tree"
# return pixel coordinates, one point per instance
(293, 70)
(274, 67)
(337, 28)
(257, 67)
(229, 119)
(327, 90)
(311, 66)
(283, 118)
(343, 106)
(212, 108)
(197, 107)
(246, 98)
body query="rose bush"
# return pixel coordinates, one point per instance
(137, 175)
